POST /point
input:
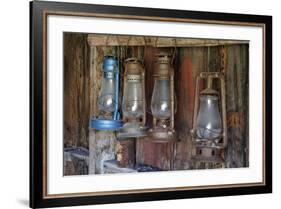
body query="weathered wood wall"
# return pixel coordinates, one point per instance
(190, 60)
(237, 105)
(76, 90)
(194, 60)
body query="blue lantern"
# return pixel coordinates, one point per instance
(108, 100)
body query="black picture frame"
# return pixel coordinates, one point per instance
(38, 11)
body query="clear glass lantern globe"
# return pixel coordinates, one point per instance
(106, 100)
(160, 101)
(209, 125)
(132, 104)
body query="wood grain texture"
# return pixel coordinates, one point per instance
(126, 152)
(76, 90)
(123, 40)
(237, 91)
(192, 62)
(103, 148)
(82, 83)
(74, 165)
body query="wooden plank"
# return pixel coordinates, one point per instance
(192, 62)
(154, 154)
(237, 153)
(122, 40)
(76, 92)
(126, 153)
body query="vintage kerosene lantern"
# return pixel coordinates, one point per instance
(162, 101)
(108, 100)
(133, 103)
(209, 131)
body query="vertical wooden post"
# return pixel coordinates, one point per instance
(92, 112)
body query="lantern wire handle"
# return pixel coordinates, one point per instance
(175, 48)
(118, 83)
(156, 41)
(223, 59)
(174, 53)
(126, 52)
(117, 40)
(172, 61)
(208, 59)
(145, 44)
(144, 50)
(106, 40)
(106, 44)
(128, 41)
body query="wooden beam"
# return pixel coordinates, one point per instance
(122, 40)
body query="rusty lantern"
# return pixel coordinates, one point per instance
(209, 131)
(133, 103)
(162, 101)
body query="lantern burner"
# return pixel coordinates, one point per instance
(130, 130)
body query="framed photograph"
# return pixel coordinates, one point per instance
(139, 104)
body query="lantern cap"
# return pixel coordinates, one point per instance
(163, 58)
(110, 63)
(162, 135)
(133, 66)
(132, 60)
(105, 125)
(163, 68)
(209, 91)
